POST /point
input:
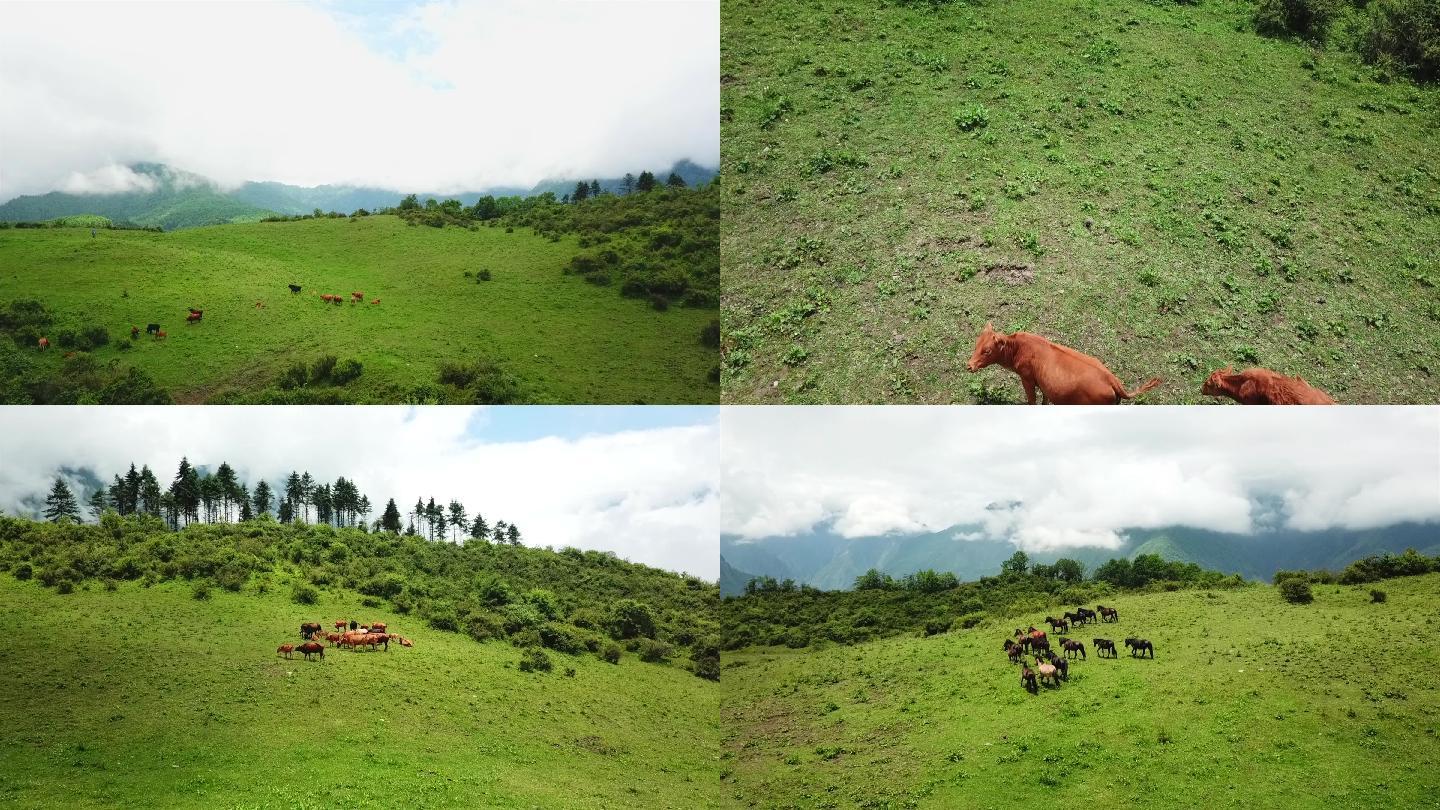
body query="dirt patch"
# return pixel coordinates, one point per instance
(595, 745)
(1011, 274)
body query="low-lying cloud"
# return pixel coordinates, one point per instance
(1050, 479)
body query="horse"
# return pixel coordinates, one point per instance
(1108, 614)
(1073, 646)
(310, 648)
(1047, 671)
(285, 650)
(1040, 644)
(1087, 614)
(1073, 618)
(1103, 644)
(1058, 625)
(1061, 666)
(294, 288)
(1014, 651)
(1140, 645)
(1027, 679)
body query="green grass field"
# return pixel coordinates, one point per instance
(148, 697)
(1151, 183)
(565, 340)
(1249, 702)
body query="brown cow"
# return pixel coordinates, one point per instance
(1063, 375)
(194, 316)
(340, 625)
(44, 344)
(377, 627)
(308, 629)
(1261, 386)
(333, 638)
(285, 650)
(310, 648)
(352, 639)
(159, 334)
(357, 297)
(134, 332)
(405, 642)
(325, 297)
(372, 640)
(376, 301)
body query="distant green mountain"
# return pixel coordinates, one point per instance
(185, 200)
(732, 579)
(825, 560)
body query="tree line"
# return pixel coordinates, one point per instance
(221, 497)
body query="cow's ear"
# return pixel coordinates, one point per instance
(989, 326)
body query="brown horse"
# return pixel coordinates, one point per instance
(1103, 644)
(285, 650)
(1073, 646)
(1061, 666)
(1108, 614)
(1027, 678)
(1015, 651)
(1141, 646)
(310, 648)
(1040, 645)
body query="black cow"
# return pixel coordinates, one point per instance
(151, 329)
(294, 288)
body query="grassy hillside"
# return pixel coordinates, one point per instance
(147, 696)
(529, 334)
(1249, 702)
(169, 208)
(1154, 184)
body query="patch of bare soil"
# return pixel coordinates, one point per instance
(1011, 274)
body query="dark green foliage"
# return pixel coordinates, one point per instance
(1403, 34)
(534, 659)
(303, 594)
(23, 571)
(610, 653)
(482, 382)
(710, 335)
(1377, 596)
(631, 619)
(1311, 18)
(1296, 591)
(201, 591)
(653, 652)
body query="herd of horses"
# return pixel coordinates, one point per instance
(196, 315)
(1065, 376)
(1050, 668)
(359, 636)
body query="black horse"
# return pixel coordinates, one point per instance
(1103, 644)
(1141, 646)
(1073, 647)
(1086, 614)
(294, 288)
(1061, 666)
(1074, 618)
(1027, 679)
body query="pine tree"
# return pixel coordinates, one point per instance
(98, 503)
(150, 493)
(580, 193)
(132, 490)
(480, 530)
(60, 503)
(675, 181)
(307, 493)
(457, 519)
(294, 494)
(227, 489)
(262, 498)
(390, 521)
(186, 491)
(286, 513)
(628, 182)
(646, 182)
(594, 188)
(513, 535)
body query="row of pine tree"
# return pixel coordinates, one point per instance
(221, 497)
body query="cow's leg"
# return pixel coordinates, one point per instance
(1029, 390)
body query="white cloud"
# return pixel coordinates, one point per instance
(1050, 478)
(440, 97)
(650, 496)
(112, 179)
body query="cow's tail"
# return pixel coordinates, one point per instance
(1154, 381)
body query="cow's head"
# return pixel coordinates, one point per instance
(1215, 384)
(988, 348)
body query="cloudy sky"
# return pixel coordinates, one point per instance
(1080, 476)
(642, 482)
(425, 96)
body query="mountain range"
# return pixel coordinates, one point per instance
(825, 560)
(182, 199)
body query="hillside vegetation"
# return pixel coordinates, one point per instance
(573, 602)
(480, 315)
(1155, 184)
(147, 696)
(1249, 701)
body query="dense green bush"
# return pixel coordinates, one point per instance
(1377, 596)
(534, 659)
(1296, 591)
(610, 653)
(630, 619)
(1404, 35)
(303, 594)
(1310, 18)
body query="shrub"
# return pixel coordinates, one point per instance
(534, 659)
(968, 620)
(610, 653)
(485, 627)
(561, 639)
(631, 619)
(201, 591)
(303, 594)
(294, 377)
(485, 380)
(111, 585)
(1377, 596)
(323, 367)
(65, 586)
(483, 275)
(23, 571)
(1296, 591)
(654, 652)
(934, 627)
(972, 117)
(1404, 34)
(708, 667)
(1311, 18)
(710, 335)
(347, 372)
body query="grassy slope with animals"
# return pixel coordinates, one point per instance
(1249, 702)
(1152, 184)
(563, 339)
(150, 697)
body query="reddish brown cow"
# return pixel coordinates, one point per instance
(405, 642)
(357, 296)
(1063, 375)
(159, 333)
(44, 344)
(194, 316)
(333, 638)
(372, 640)
(134, 332)
(336, 299)
(285, 650)
(376, 301)
(340, 625)
(1261, 386)
(325, 297)
(377, 627)
(310, 648)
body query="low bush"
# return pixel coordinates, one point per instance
(303, 594)
(534, 659)
(1296, 591)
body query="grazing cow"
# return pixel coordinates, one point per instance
(337, 299)
(1047, 672)
(152, 328)
(340, 625)
(1063, 375)
(1261, 386)
(1073, 647)
(310, 648)
(325, 297)
(308, 629)
(376, 301)
(1108, 614)
(44, 343)
(134, 333)
(1103, 644)
(294, 288)
(160, 333)
(1141, 646)
(353, 639)
(1027, 678)
(194, 316)
(374, 639)
(377, 627)
(405, 642)
(285, 650)
(357, 297)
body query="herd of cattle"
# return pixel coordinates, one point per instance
(1051, 668)
(1064, 376)
(359, 636)
(196, 315)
